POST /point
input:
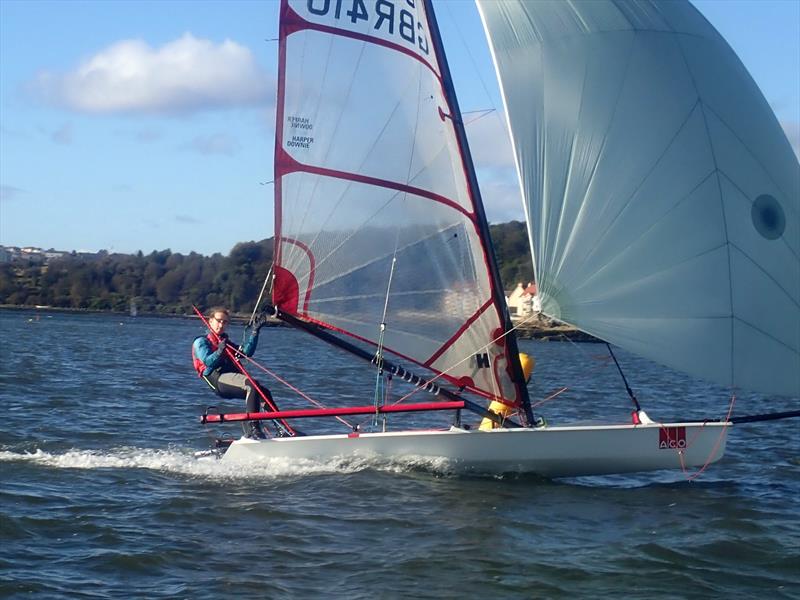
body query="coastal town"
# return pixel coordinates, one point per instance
(28, 254)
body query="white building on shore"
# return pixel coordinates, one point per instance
(523, 301)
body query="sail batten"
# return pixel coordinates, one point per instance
(290, 165)
(662, 196)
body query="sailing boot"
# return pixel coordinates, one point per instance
(258, 431)
(253, 429)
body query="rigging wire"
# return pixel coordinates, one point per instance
(468, 49)
(553, 395)
(468, 357)
(260, 296)
(481, 113)
(293, 388)
(624, 379)
(380, 390)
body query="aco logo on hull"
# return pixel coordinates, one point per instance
(672, 438)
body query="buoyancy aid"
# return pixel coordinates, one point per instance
(199, 365)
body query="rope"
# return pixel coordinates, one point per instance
(293, 388)
(550, 397)
(723, 432)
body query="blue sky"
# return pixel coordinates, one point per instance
(180, 160)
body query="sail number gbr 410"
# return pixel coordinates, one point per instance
(392, 20)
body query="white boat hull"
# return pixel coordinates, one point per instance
(547, 451)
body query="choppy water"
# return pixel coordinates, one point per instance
(100, 496)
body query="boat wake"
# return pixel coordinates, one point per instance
(182, 461)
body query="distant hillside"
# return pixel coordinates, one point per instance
(167, 282)
(511, 248)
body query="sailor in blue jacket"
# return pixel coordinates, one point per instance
(212, 363)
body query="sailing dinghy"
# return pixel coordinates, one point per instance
(662, 205)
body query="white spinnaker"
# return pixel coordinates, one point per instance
(371, 186)
(662, 196)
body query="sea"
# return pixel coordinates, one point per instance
(101, 495)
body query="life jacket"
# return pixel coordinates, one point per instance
(199, 365)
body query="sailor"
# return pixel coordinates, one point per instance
(212, 363)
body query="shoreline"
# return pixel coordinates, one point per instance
(555, 334)
(540, 330)
(543, 329)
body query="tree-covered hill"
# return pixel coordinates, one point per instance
(510, 241)
(167, 282)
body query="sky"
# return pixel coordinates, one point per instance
(149, 125)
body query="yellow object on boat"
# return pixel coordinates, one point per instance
(527, 363)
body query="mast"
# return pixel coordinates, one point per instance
(512, 350)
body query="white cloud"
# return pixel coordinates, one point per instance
(185, 75)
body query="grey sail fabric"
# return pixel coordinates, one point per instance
(662, 196)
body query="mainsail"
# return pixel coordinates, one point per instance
(662, 196)
(376, 219)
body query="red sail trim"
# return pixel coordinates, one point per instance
(276, 245)
(311, 269)
(334, 412)
(457, 381)
(285, 290)
(287, 164)
(513, 403)
(295, 23)
(458, 333)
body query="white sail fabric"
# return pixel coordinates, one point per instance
(662, 196)
(372, 196)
